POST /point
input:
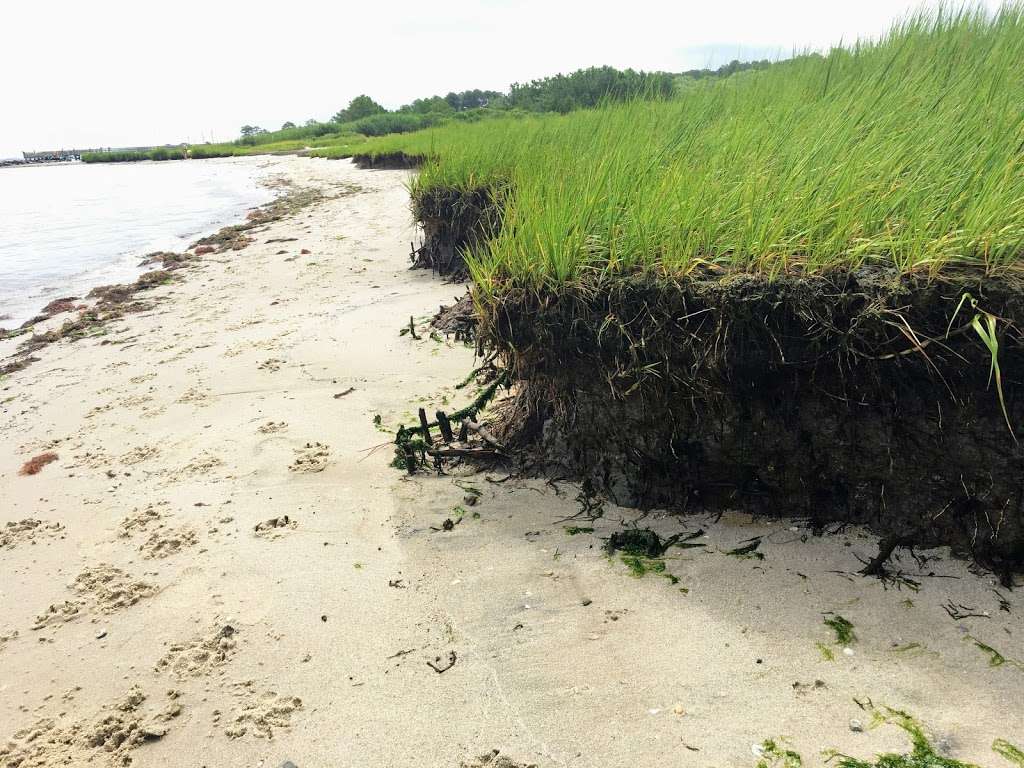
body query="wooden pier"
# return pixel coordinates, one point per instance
(53, 156)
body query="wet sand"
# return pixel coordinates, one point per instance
(154, 615)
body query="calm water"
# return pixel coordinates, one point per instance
(67, 228)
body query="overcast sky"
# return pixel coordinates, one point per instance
(125, 72)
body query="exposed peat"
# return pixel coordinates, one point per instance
(862, 396)
(388, 161)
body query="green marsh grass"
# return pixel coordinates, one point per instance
(902, 152)
(227, 149)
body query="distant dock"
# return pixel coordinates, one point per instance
(61, 155)
(47, 156)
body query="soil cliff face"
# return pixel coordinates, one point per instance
(861, 397)
(453, 221)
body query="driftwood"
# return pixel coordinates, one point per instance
(485, 435)
(425, 428)
(410, 459)
(414, 444)
(445, 425)
(479, 453)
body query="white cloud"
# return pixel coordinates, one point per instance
(113, 72)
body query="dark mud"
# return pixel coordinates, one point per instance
(860, 397)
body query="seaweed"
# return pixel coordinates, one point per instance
(843, 629)
(922, 754)
(995, 658)
(775, 756)
(1006, 750)
(35, 465)
(748, 550)
(645, 542)
(639, 566)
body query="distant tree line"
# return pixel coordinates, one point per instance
(725, 70)
(562, 93)
(588, 88)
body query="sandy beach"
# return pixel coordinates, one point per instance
(222, 569)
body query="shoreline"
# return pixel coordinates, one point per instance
(131, 265)
(230, 531)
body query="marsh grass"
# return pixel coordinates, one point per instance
(227, 149)
(902, 152)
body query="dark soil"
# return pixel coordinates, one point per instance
(453, 221)
(838, 398)
(459, 320)
(389, 161)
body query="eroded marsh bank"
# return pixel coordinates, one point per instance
(698, 309)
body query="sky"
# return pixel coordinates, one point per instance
(117, 73)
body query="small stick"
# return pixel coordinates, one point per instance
(455, 452)
(439, 666)
(463, 433)
(425, 427)
(445, 426)
(412, 328)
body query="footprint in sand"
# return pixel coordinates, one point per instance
(135, 401)
(7, 637)
(101, 588)
(195, 396)
(259, 713)
(41, 446)
(275, 526)
(28, 531)
(272, 427)
(139, 454)
(93, 459)
(494, 759)
(312, 457)
(200, 656)
(98, 409)
(115, 730)
(168, 541)
(140, 519)
(203, 464)
(272, 364)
